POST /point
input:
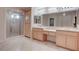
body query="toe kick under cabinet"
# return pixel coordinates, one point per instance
(67, 39)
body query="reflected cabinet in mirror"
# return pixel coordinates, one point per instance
(51, 21)
(37, 19)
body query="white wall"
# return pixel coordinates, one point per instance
(2, 24)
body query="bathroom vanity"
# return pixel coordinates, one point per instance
(42, 34)
(58, 27)
(27, 24)
(64, 37)
(68, 39)
(37, 33)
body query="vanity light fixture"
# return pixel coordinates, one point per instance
(15, 16)
(12, 16)
(64, 14)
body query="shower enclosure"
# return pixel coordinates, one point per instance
(14, 23)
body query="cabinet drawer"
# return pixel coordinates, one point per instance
(61, 32)
(52, 33)
(69, 33)
(37, 29)
(52, 38)
(45, 32)
(72, 33)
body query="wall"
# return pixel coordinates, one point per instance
(2, 24)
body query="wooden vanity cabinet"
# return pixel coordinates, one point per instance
(60, 39)
(52, 36)
(40, 34)
(71, 42)
(67, 39)
(27, 30)
(37, 33)
(27, 24)
(52, 33)
(45, 35)
(45, 32)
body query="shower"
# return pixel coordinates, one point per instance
(14, 23)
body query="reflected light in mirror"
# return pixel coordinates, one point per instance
(15, 16)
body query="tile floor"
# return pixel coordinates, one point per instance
(21, 43)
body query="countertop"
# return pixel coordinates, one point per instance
(69, 29)
(59, 28)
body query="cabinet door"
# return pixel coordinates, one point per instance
(61, 40)
(40, 35)
(27, 30)
(35, 35)
(71, 42)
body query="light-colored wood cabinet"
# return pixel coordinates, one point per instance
(27, 24)
(37, 33)
(45, 32)
(71, 42)
(45, 35)
(67, 39)
(52, 36)
(40, 34)
(27, 30)
(34, 35)
(61, 40)
(52, 33)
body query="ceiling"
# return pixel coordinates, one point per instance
(22, 10)
(25, 9)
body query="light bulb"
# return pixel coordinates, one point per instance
(64, 14)
(17, 16)
(12, 16)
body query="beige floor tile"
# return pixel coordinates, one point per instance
(21, 43)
